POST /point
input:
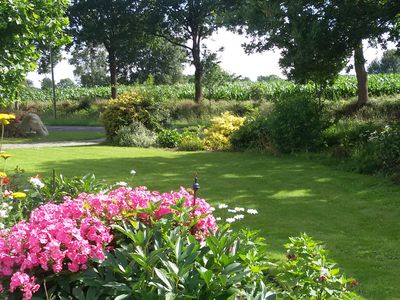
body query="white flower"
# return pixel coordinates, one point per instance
(231, 210)
(222, 206)
(35, 181)
(238, 209)
(121, 183)
(252, 211)
(218, 219)
(133, 172)
(238, 217)
(3, 213)
(230, 220)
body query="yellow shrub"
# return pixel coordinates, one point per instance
(217, 137)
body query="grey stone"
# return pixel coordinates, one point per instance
(32, 123)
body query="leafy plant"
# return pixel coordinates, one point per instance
(217, 137)
(309, 274)
(168, 138)
(190, 141)
(135, 135)
(297, 123)
(132, 106)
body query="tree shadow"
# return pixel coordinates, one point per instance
(347, 211)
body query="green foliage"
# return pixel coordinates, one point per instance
(217, 137)
(57, 187)
(132, 106)
(90, 64)
(46, 84)
(190, 141)
(135, 135)
(167, 138)
(66, 83)
(296, 28)
(159, 60)
(22, 34)
(380, 152)
(389, 63)
(309, 274)
(297, 123)
(254, 134)
(344, 87)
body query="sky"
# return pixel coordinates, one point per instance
(233, 59)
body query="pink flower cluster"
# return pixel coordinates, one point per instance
(56, 237)
(114, 204)
(66, 236)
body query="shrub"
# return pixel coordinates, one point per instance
(254, 134)
(309, 274)
(217, 137)
(168, 138)
(380, 152)
(135, 135)
(297, 123)
(131, 106)
(190, 141)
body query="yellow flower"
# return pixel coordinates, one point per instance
(3, 175)
(5, 118)
(18, 195)
(5, 155)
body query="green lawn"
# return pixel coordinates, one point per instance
(356, 216)
(56, 136)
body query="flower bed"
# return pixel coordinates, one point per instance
(66, 236)
(132, 243)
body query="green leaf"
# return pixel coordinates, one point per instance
(163, 276)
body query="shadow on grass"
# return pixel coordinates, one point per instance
(355, 215)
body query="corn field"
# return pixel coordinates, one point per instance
(344, 87)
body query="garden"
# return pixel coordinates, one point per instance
(203, 186)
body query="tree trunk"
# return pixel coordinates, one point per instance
(198, 74)
(362, 76)
(113, 73)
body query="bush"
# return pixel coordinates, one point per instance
(380, 152)
(254, 134)
(135, 135)
(297, 123)
(168, 138)
(309, 274)
(190, 141)
(129, 107)
(218, 136)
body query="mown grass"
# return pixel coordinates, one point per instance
(355, 215)
(56, 137)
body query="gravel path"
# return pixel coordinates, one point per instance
(61, 143)
(54, 144)
(76, 128)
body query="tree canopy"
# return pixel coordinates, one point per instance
(91, 65)
(187, 24)
(118, 25)
(389, 63)
(317, 37)
(25, 26)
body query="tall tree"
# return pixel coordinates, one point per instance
(91, 65)
(318, 37)
(159, 59)
(118, 25)
(187, 23)
(24, 28)
(389, 63)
